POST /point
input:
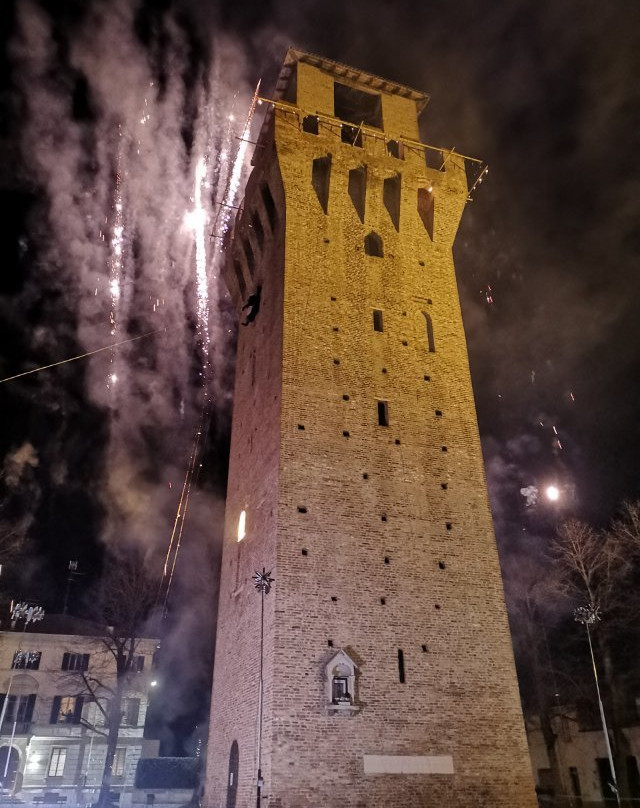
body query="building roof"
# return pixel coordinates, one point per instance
(345, 72)
(64, 624)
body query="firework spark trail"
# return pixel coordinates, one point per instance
(196, 220)
(223, 218)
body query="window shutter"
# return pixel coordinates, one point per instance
(55, 709)
(28, 713)
(85, 662)
(77, 713)
(65, 662)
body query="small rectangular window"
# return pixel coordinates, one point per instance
(57, 761)
(377, 320)
(310, 124)
(138, 663)
(351, 135)
(118, 762)
(130, 712)
(383, 413)
(401, 665)
(26, 660)
(75, 662)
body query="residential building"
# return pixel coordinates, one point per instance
(582, 757)
(53, 736)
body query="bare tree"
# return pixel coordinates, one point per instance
(596, 567)
(123, 605)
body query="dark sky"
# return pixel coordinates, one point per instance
(114, 103)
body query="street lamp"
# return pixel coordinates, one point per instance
(30, 614)
(262, 581)
(589, 616)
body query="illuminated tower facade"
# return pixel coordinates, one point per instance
(356, 477)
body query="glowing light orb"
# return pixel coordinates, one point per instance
(114, 378)
(553, 493)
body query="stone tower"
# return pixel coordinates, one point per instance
(356, 477)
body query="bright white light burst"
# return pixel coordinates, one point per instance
(553, 493)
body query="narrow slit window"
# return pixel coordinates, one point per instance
(378, 324)
(425, 209)
(258, 229)
(373, 245)
(242, 286)
(320, 177)
(391, 198)
(430, 340)
(395, 148)
(310, 124)
(269, 205)
(401, 666)
(383, 413)
(251, 259)
(358, 189)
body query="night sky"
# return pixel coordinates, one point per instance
(106, 110)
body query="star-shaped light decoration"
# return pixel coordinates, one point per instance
(263, 581)
(587, 615)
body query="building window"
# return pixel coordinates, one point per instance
(373, 245)
(430, 340)
(351, 135)
(425, 209)
(57, 761)
(357, 106)
(391, 192)
(310, 124)
(75, 662)
(395, 148)
(383, 413)
(117, 770)
(67, 709)
(19, 709)
(130, 712)
(26, 660)
(138, 663)
(357, 188)
(320, 177)
(258, 229)
(378, 324)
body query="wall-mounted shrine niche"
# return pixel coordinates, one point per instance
(340, 684)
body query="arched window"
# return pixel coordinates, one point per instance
(373, 245)
(430, 341)
(232, 782)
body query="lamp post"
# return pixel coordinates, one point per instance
(262, 582)
(30, 614)
(589, 616)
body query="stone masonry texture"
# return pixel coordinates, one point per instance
(379, 537)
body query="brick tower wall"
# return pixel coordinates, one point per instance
(379, 536)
